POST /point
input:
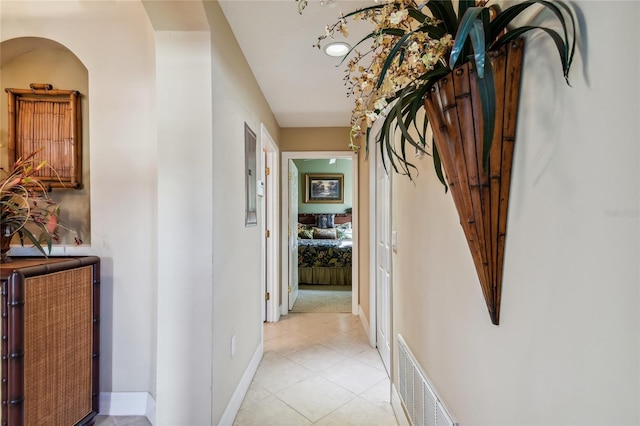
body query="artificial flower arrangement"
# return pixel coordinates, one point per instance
(457, 71)
(416, 44)
(25, 207)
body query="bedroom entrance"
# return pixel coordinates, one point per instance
(319, 250)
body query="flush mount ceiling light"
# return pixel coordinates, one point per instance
(337, 48)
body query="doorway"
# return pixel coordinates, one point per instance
(290, 223)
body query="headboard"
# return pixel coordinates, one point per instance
(310, 218)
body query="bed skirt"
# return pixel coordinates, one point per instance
(327, 276)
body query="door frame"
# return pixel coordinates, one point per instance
(300, 155)
(373, 257)
(270, 272)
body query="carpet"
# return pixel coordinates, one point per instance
(323, 298)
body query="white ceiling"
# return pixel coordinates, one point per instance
(303, 86)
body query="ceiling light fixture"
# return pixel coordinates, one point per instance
(337, 49)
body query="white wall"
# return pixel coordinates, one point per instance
(567, 347)
(166, 118)
(184, 228)
(115, 42)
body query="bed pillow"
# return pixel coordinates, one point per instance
(325, 220)
(344, 231)
(305, 232)
(325, 233)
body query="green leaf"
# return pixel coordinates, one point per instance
(416, 14)
(477, 40)
(391, 57)
(437, 163)
(466, 24)
(443, 10)
(515, 33)
(431, 31)
(505, 17)
(25, 232)
(392, 31)
(487, 90)
(463, 5)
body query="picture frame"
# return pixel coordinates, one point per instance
(324, 188)
(251, 165)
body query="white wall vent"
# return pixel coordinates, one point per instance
(418, 395)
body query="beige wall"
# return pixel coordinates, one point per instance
(314, 139)
(40, 61)
(166, 116)
(567, 347)
(364, 240)
(237, 99)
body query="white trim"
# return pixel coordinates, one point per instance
(355, 250)
(365, 326)
(151, 410)
(270, 247)
(294, 155)
(373, 306)
(234, 404)
(126, 404)
(396, 404)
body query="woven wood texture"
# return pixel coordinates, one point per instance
(58, 347)
(47, 126)
(481, 195)
(48, 122)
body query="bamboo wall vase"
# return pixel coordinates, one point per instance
(480, 194)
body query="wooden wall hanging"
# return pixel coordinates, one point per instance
(49, 121)
(480, 194)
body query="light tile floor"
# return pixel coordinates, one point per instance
(122, 421)
(318, 369)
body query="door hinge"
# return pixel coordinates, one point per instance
(290, 176)
(290, 289)
(290, 232)
(267, 296)
(268, 233)
(267, 171)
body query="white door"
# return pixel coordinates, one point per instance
(266, 208)
(271, 226)
(383, 261)
(293, 233)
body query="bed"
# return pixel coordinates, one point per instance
(325, 249)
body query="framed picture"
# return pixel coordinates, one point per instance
(324, 188)
(250, 175)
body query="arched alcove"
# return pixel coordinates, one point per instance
(29, 60)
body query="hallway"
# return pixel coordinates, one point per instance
(318, 368)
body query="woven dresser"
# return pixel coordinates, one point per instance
(50, 341)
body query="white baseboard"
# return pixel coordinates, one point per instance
(366, 326)
(128, 404)
(151, 410)
(234, 404)
(401, 416)
(143, 404)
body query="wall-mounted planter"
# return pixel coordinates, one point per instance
(481, 195)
